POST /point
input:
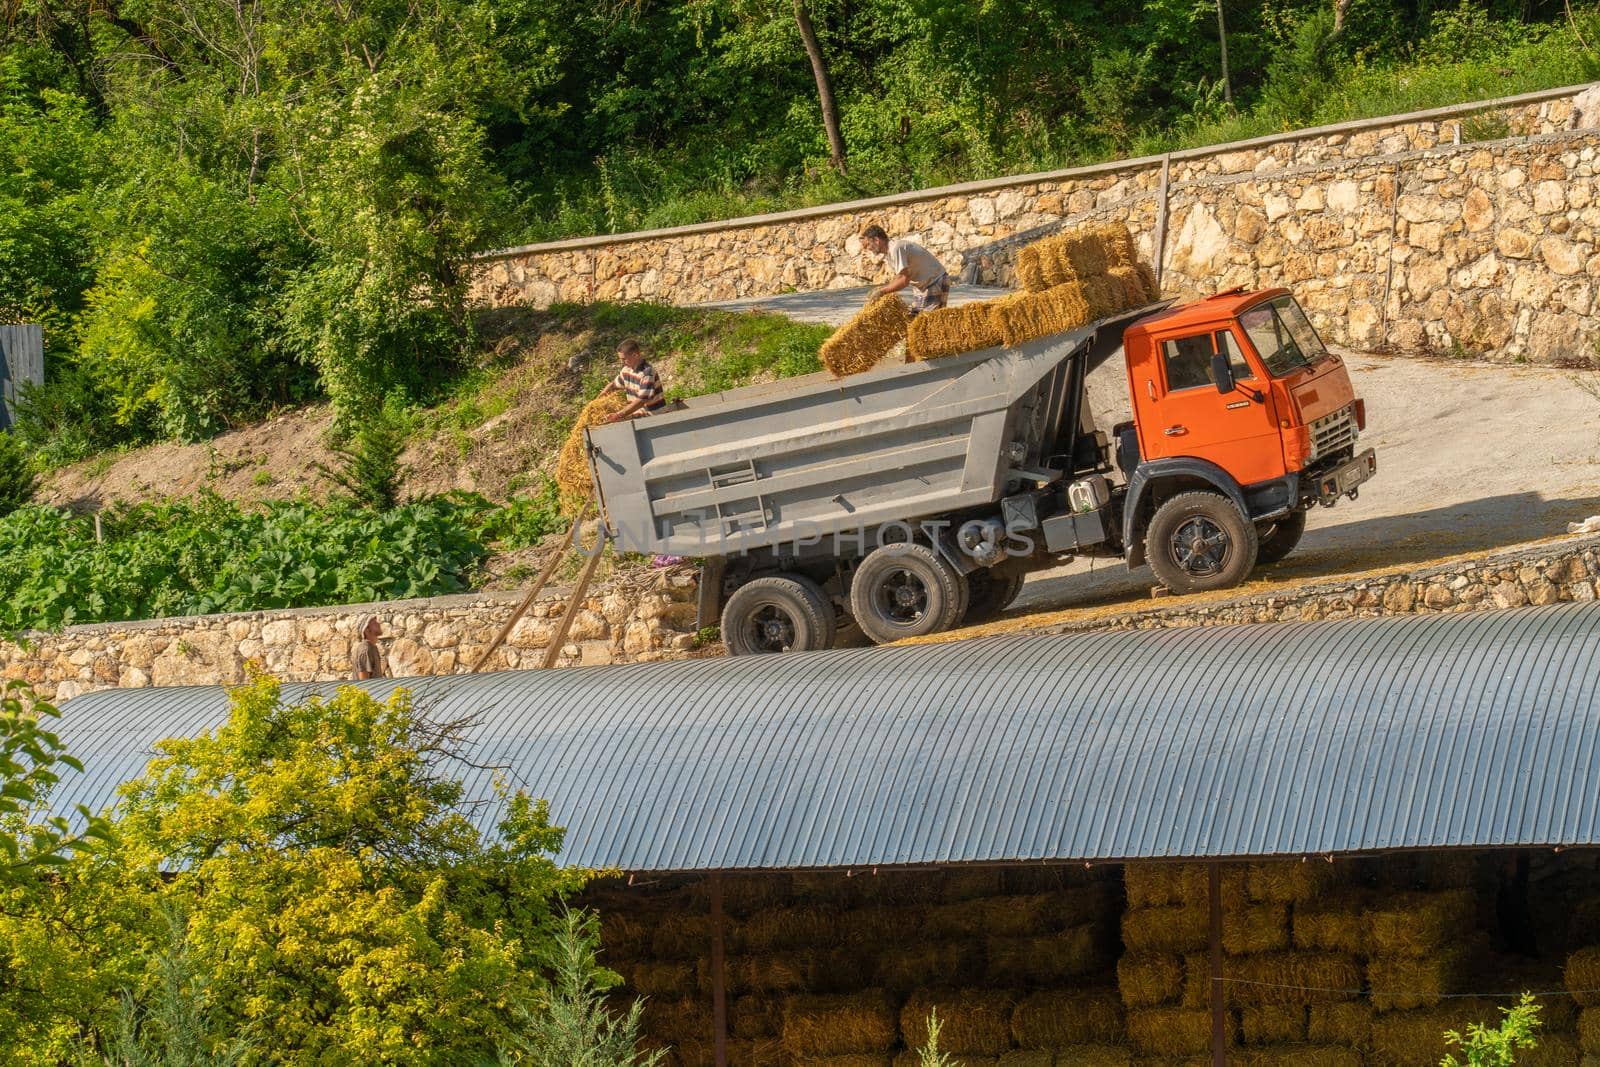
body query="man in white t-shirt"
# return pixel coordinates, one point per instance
(912, 265)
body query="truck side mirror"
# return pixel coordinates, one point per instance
(1222, 373)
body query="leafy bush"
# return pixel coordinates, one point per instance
(523, 521)
(573, 1027)
(1497, 1046)
(369, 469)
(18, 483)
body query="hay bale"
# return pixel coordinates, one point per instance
(1026, 316)
(882, 924)
(1169, 1031)
(1291, 978)
(1401, 983)
(1553, 1050)
(625, 936)
(679, 936)
(762, 1052)
(1255, 928)
(1297, 1056)
(1419, 924)
(1273, 1024)
(783, 928)
(786, 972)
(1149, 979)
(1134, 293)
(836, 1025)
(929, 963)
(1168, 929)
(1416, 1038)
(1116, 243)
(1030, 269)
(1102, 296)
(1336, 925)
(1583, 927)
(743, 894)
(1152, 885)
(1044, 960)
(1006, 916)
(952, 331)
(1348, 1023)
(1589, 1031)
(862, 342)
(973, 1022)
(1289, 881)
(572, 466)
(854, 1059)
(675, 1021)
(755, 1016)
(913, 1058)
(1582, 974)
(1072, 1056)
(1058, 1018)
(1557, 1013)
(1027, 1058)
(1151, 285)
(658, 978)
(1084, 251)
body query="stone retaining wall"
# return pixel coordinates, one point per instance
(632, 620)
(1468, 230)
(1546, 573)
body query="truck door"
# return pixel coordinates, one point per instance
(1182, 414)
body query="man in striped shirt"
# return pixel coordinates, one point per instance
(638, 380)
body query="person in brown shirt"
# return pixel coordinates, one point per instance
(366, 659)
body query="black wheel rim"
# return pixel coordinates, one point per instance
(1200, 547)
(902, 597)
(770, 629)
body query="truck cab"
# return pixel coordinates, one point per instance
(1239, 408)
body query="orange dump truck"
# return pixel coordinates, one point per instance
(912, 499)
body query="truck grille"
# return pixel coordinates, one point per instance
(1333, 432)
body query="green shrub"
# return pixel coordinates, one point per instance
(368, 470)
(1486, 1046)
(18, 483)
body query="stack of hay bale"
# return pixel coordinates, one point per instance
(1069, 280)
(1414, 936)
(1271, 987)
(1582, 971)
(836, 971)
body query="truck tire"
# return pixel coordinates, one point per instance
(1279, 537)
(784, 613)
(988, 595)
(905, 590)
(1198, 542)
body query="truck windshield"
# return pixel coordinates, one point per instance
(1283, 335)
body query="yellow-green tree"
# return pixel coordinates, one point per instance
(331, 897)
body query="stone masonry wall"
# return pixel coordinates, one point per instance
(1566, 570)
(1414, 233)
(641, 619)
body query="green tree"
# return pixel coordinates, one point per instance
(572, 1026)
(340, 905)
(1485, 1046)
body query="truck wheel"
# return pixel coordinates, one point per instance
(905, 590)
(990, 594)
(1200, 541)
(1279, 537)
(785, 613)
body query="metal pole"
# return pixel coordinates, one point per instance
(719, 994)
(1219, 1017)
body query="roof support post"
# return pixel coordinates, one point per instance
(1219, 1014)
(719, 992)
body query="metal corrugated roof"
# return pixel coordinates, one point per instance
(1329, 737)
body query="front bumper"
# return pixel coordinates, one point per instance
(1345, 479)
